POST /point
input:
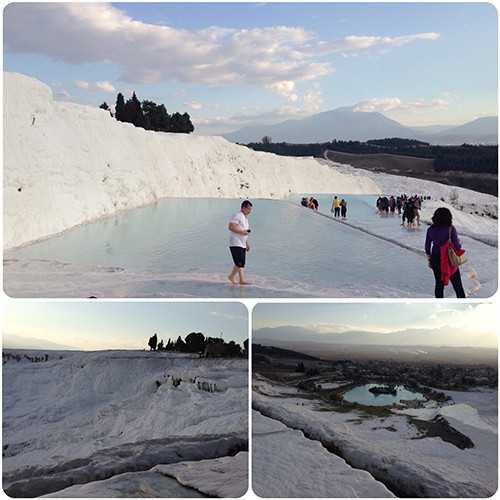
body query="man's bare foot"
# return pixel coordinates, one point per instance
(232, 279)
(245, 283)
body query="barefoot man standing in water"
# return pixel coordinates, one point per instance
(238, 244)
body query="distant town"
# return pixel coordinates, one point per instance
(309, 372)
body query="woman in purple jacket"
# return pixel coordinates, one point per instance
(438, 234)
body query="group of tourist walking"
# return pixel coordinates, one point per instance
(440, 235)
(407, 206)
(339, 208)
(437, 238)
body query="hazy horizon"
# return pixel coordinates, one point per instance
(436, 324)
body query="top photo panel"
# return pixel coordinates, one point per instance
(248, 150)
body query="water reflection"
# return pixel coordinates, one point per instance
(362, 395)
(180, 245)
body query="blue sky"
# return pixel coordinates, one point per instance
(123, 325)
(378, 317)
(234, 64)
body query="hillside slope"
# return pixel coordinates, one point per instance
(66, 164)
(74, 417)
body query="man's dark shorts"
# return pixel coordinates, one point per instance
(239, 255)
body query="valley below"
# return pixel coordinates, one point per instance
(418, 168)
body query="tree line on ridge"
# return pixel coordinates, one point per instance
(195, 342)
(467, 157)
(149, 115)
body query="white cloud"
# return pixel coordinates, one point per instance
(380, 105)
(449, 95)
(106, 86)
(361, 42)
(305, 106)
(391, 104)
(199, 105)
(342, 328)
(62, 95)
(193, 105)
(283, 88)
(312, 101)
(449, 311)
(229, 316)
(274, 58)
(180, 93)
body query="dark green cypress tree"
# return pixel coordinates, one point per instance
(157, 116)
(132, 112)
(120, 107)
(187, 126)
(151, 116)
(181, 123)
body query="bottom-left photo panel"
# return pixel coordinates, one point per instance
(125, 399)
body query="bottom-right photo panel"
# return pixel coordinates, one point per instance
(375, 400)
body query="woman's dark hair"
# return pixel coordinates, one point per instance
(442, 218)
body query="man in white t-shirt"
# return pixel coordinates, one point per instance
(238, 242)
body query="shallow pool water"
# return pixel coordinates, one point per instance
(132, 485)
(362, 395)
(180, 246)
(153, 485)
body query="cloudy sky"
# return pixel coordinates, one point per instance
(100, 325)
(233, 64)
(379, 317)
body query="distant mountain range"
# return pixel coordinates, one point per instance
(12, 341)
(444, 336)
(345, 124)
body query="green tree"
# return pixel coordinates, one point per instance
(214, 340)
(133, 113)
(159, 120)
(180, 344)
(151, 116)
(120, 107)
(233, 349)
(181, 123)
(195, 342)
